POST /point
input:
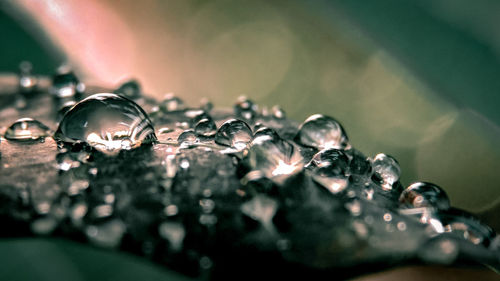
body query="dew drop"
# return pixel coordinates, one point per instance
(27, 129)
(245, 109)
(423, 194)
(171, 103)
(328, 177)
(386, 170)
(107, 122)
(130, 89)
(205, 127)
(65, 84)
(234, 133)
(278, 112)
(188, 136)
(27, 81)
(320, 131)
(276, 159)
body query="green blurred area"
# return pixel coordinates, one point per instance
(419, 80)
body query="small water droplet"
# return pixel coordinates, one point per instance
(423, 194)
(107, 122)
(234, 133)
(206, 128)
(27, 81)
(130, 89)
(328, 177)
(245, 109)
(320, 131)
(386, 170)
(278, 112)
(171, 103)
(188, 136)
(65, 84)
(27, 129)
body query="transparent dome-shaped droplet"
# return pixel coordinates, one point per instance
(107, 122)
(423, 194)
(172, 103)
(331, 157)
(276, 159)
(320, 131)
(234, 133)
(130, 89)
(27, 129)
(65, 84)
(206, 128)
(386, 170)
(278, 112)
(245, 109)
(330, 178)
(265, 131)
(188, 136)
(27, 81)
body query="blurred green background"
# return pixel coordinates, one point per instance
(419, 80)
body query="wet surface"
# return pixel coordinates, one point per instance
(213, 193)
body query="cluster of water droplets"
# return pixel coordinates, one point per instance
(207, 185)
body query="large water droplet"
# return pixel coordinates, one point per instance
(320, 131)
(234, 133)
(277, 159)
(130, 89)
(65, 84)
(27, 129)
(423, 194)
(107, 122)
(386, 170)
(174, 233)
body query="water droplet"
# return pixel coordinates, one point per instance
(423, 194)
(65, 84)
(107, 122)
(171, 103)
(265, 131)
(328, 177)
(245, 109)
(206, 128)
(276, 159)
(320, 131)
(331, 157)
(386, 170)
(27, 82)
(27, 129)
(174, 233)
(188, 136)
(234, 133)
(130, 89)
(278, 112)
(44, 225)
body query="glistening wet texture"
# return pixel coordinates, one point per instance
(221, 194)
